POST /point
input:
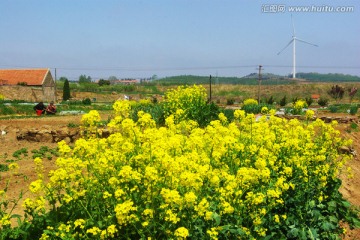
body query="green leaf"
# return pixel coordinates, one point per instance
(313, 233)
(217, 218)
(332, 206)
(294, 232)
(356, 222)
(326, 226)
(333, 219)
(16, 216)
(346, 204)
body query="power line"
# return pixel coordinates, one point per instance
(178, 68)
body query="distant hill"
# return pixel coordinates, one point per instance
(252, 79)
(328, 77)
(191, 79)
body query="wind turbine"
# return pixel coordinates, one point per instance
(293, 41)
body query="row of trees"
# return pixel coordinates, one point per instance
(82, 79)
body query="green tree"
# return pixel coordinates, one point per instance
(336, 92)
(112, 78)
(66, 90)
(103, 82)
(62, 79)
(84, 79)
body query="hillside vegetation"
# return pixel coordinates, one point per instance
(252, 79)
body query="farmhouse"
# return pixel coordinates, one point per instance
(31, 84)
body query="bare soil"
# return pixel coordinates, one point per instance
(26, 174)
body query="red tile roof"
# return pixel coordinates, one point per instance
(315, 96)
(34, 77)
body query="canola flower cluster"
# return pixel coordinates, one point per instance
(184, 100)
(240, 179)
(250, 101)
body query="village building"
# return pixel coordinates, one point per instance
(30, 84)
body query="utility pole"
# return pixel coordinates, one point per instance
(259, 88)
(55, 87)
(210, 89)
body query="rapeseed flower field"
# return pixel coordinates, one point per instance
(241, 179)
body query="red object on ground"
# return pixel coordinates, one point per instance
(39, 112)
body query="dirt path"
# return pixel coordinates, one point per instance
(26, 174)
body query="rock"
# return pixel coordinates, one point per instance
(346, 150)
(67, 140)
(44, 137)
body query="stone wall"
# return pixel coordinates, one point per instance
(27, 93)
(48, 134)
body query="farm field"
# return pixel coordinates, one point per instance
(27, 172)
(350, 187)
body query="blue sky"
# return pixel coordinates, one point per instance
(133, 39)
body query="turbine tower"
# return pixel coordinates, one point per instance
(293, 41)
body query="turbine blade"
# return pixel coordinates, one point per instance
(306, 42)
(286, 46)
(293, 25)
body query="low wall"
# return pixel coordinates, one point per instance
(50, 134)
(26, 93)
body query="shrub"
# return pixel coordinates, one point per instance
(323, 101)
(103, 82)
(333, 108)
(283, 101)
(270, 100)
(354, 109)
(309, 101)
(294, 99)
(230, 101)
(86, 101)
(336, 92)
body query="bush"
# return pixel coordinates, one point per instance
(230, 101)
(323, 101)
(309, 101)
(86, 101)
(333, 108)
(354, 109)
(270, 100)
(336, 92)
(283, 101)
